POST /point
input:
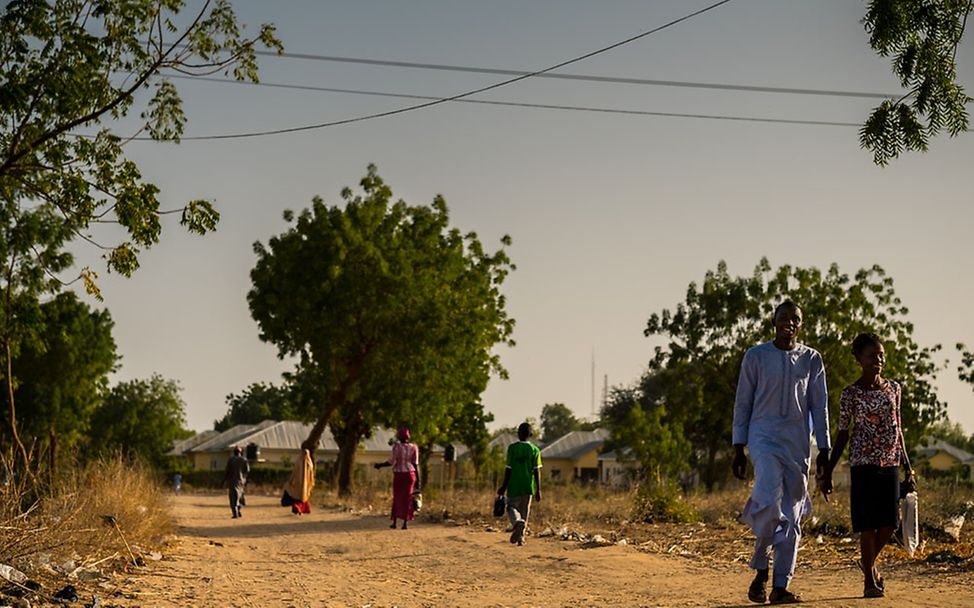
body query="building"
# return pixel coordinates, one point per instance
(280, 442)
(942, 458)
(574, 457)
(617, 472)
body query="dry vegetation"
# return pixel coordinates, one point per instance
(91, 522)
(579, 513)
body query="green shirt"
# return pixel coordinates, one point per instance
(523, 459)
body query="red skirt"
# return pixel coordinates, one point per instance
(301, 507)
(402, 495)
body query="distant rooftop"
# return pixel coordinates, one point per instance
(575, 444)
(937, 445)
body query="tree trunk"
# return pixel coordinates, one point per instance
(346, 463)
(710, 478)
(13, 411)
(424, 463)
(52, 454)
(348, 435)
(335, 401)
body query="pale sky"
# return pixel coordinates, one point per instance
(612, 215)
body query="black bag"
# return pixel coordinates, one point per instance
(286, 500)
(500, 505)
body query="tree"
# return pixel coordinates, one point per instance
(695, 373)
(922, 37)
(256, 403)
(557, 421)
(391, 313)
(965, 371)
(70, 67)
(951, 432)
(142, 418)
(63, 373)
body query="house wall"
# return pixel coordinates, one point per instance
(588, 461)
(564, 469)
(942, 461)
(558, 469)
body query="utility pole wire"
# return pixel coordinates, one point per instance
(587, 77)
(517, 104)
(436, 102)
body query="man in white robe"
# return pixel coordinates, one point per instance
(781, 398)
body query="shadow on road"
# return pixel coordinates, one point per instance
(286, 525)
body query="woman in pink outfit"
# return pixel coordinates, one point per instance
(404, 461)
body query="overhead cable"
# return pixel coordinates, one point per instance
(436, 102)
(516, 104)
(587, 77)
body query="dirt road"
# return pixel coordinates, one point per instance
(271, 558)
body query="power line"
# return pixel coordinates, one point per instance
(435, 102)
(585, 77)
(516, 104)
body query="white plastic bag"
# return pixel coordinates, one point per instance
(12, 574)
(911, 523)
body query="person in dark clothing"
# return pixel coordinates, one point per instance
(236, 480)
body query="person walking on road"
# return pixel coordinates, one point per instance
(297, 490)
(781, 398)
(404, 461)
(871, 406)
(236, 480)
(522, 481)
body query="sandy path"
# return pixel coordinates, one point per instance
(271, 558)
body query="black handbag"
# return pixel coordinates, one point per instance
(500, 505)
(286, 500)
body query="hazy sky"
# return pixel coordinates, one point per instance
(611, 215)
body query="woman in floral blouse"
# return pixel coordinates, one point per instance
(872, 406)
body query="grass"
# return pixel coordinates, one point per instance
(712, 532)
(45, 527)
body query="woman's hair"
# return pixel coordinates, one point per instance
(864, 340)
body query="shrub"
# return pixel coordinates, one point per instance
(661, 504)
(67, 518)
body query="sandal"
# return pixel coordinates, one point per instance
(758, 592)
(780, 595)
(873, 592)
(877, 577)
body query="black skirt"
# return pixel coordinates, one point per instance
(875, 496)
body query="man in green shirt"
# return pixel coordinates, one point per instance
(522, 479)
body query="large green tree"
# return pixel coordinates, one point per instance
(258, 402)
(922, 37)
(556, 421)
(71, 72)
(63, 373)
(392, 314)
(142, 418)
(643, 431)
(695, 372)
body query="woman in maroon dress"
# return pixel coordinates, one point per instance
(404, 461)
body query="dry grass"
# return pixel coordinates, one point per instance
(715, 534)
(64, 522)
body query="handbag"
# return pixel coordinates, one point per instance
(417, 502)
(500, 505)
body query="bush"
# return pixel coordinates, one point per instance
(68, 518)
(661, 504)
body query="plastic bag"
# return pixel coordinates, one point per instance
(911, 523)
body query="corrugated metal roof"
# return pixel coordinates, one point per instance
(290, 434)
(938, 445)
(502, 441)
(285, 435)
(228, 438)
(181, 447)
(575, 444)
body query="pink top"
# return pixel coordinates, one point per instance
(404, 456)
(875, 418)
